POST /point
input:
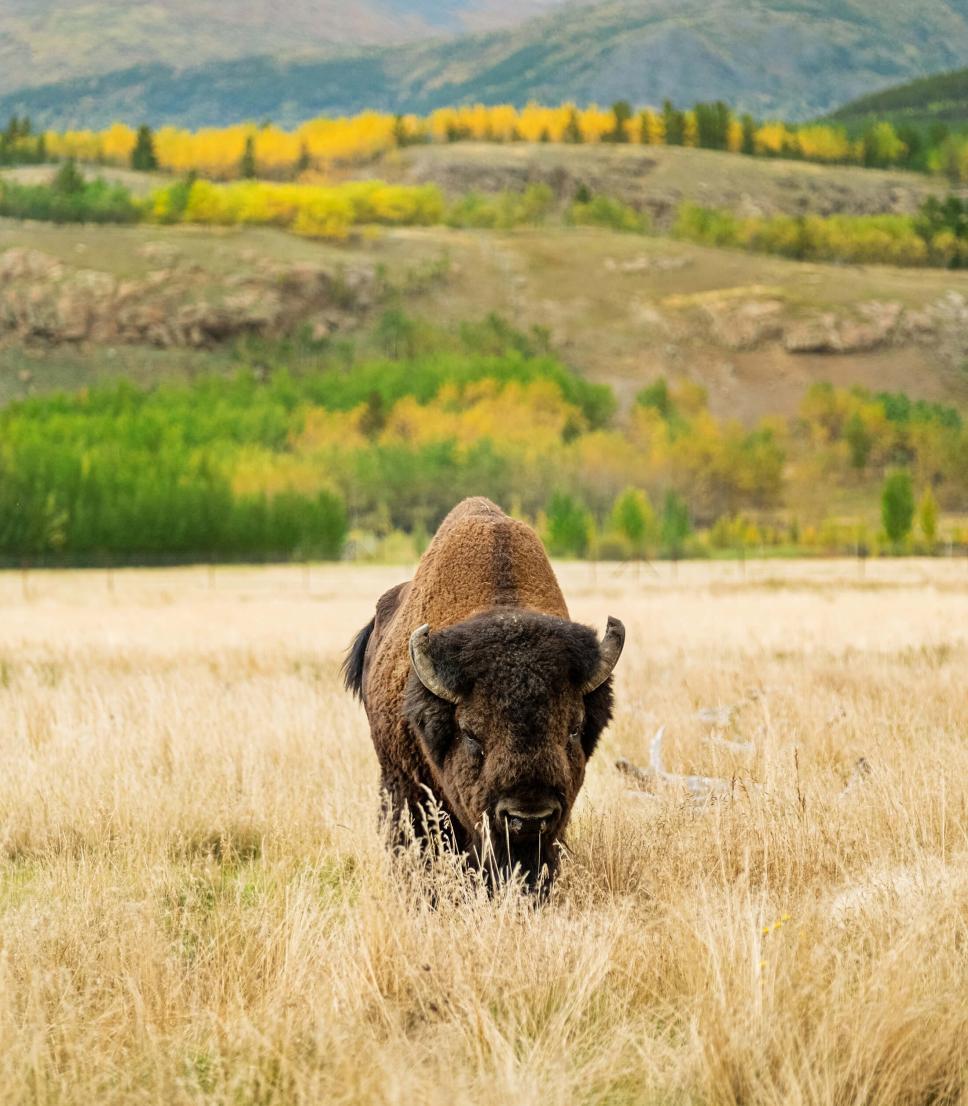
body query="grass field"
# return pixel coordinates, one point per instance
(195, 905)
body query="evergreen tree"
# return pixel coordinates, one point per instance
(675, 124)
(622, 112)
(143, 157)
(897, 506)
(712, 125)
(69, 180)
(748, 145)
(247, 167)
(573, 131)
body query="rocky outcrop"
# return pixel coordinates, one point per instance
(748, 323)
(41, 299)
(875, 325)
(745, 325)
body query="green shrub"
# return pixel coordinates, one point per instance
(602, 211)
(69, 199)
(873, 239)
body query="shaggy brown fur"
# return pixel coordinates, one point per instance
(502, 643)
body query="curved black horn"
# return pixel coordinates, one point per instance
(611, 649)
(423, 665)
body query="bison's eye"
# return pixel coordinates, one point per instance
(574, 733)
(474, 747)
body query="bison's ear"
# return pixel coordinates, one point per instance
(430, 718)
(598, 714)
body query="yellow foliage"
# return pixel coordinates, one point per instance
(529, 416)
(596, 122)
(771, 138)
(820, 143)
(324, 430)
(652, 128)
(320, 144)
(316, 211)
(117, 143)
(734, 136)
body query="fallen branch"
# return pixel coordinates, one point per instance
(697, 786)
(633, 771)
(717, 716)
(733, 746)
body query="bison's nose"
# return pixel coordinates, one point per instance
(527, 819)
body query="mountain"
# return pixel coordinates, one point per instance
(792, 58)
(940, 99)
(44, 39)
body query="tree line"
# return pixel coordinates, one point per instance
(294, 464)
(249, 150)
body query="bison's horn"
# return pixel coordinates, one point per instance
(423, 664)
(611, 649)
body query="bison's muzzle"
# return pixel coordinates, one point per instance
(520, 819)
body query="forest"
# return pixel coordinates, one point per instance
(266, 150)
(369, 455)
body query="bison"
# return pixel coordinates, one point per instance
(484, 699)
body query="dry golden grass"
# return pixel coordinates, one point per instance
(195, 905)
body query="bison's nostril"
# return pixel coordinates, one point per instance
(521, 817)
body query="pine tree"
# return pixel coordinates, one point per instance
(69, 180)
(573, 131)
(712, 125)
(622, 111)
(401, 136)
(247, 167)
(143, 157)
(675, 124)
(749, 135)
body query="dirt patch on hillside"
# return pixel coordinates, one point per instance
(658, 179)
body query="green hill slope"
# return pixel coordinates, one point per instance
(792, 58)
(69, 38)
(939, 99)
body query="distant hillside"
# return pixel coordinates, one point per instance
(791, 58)
(939, 99)
(41, 39)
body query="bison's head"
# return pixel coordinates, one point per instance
(509, 706)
